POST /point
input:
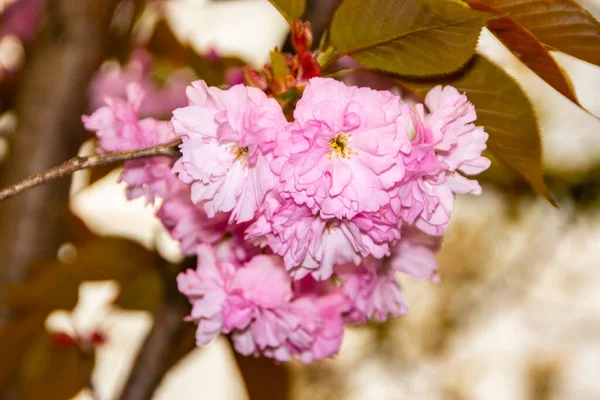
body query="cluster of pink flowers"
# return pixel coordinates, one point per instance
(300, 227)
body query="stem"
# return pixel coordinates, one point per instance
(77, 163)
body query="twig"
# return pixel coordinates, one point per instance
(77, 163)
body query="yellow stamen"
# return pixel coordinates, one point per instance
(240, 152)
(340, 146)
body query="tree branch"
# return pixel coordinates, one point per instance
(77, 163)
(169, 340)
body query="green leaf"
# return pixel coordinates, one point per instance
(407, 37)
(143, 293)
(290, 9)
(280, 69)
(505, 112)
(560, 24)
(530, 51)
(54, 373)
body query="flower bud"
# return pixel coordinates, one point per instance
(302, 36)
(254, 78)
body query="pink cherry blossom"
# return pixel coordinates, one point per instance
(159, 101)
(226, 136)
(312, 245)
(233, 248)
(308, 327)
(188, 223)
(344, 151)
(373, 289)
(414, 254)
(447, 144)
(206, 289)
(118, 128)
(149, 178)
(256, 304)
(325, 304)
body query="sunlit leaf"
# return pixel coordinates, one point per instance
(407, 37)
(530, 51)
(15, 339)
(290, 9)
(505, 112)
(560, 24)
(54, 373)
(143, 293)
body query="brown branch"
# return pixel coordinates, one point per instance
(78, 163)
(169, 340)
(51, 97)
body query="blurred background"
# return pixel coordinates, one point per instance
(516, 315)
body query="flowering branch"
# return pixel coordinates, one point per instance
(77, 163)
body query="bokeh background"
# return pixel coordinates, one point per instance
(516, 315)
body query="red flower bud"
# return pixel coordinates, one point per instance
(302, 36)
(254, 78)
(309, 67)
(62, 340)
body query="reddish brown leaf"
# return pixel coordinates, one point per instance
(15, 339)
(142, 293)
(54, 373)
(561, 24)
(56, 285)
(529, 50)
(52, 289)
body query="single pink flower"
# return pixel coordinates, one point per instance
(206, 290)
(227, 135)
(459, 143)
(373, 289)
(263, 317)
(343, 153)
(447, 144)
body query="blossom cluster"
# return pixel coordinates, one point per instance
(300, 227)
